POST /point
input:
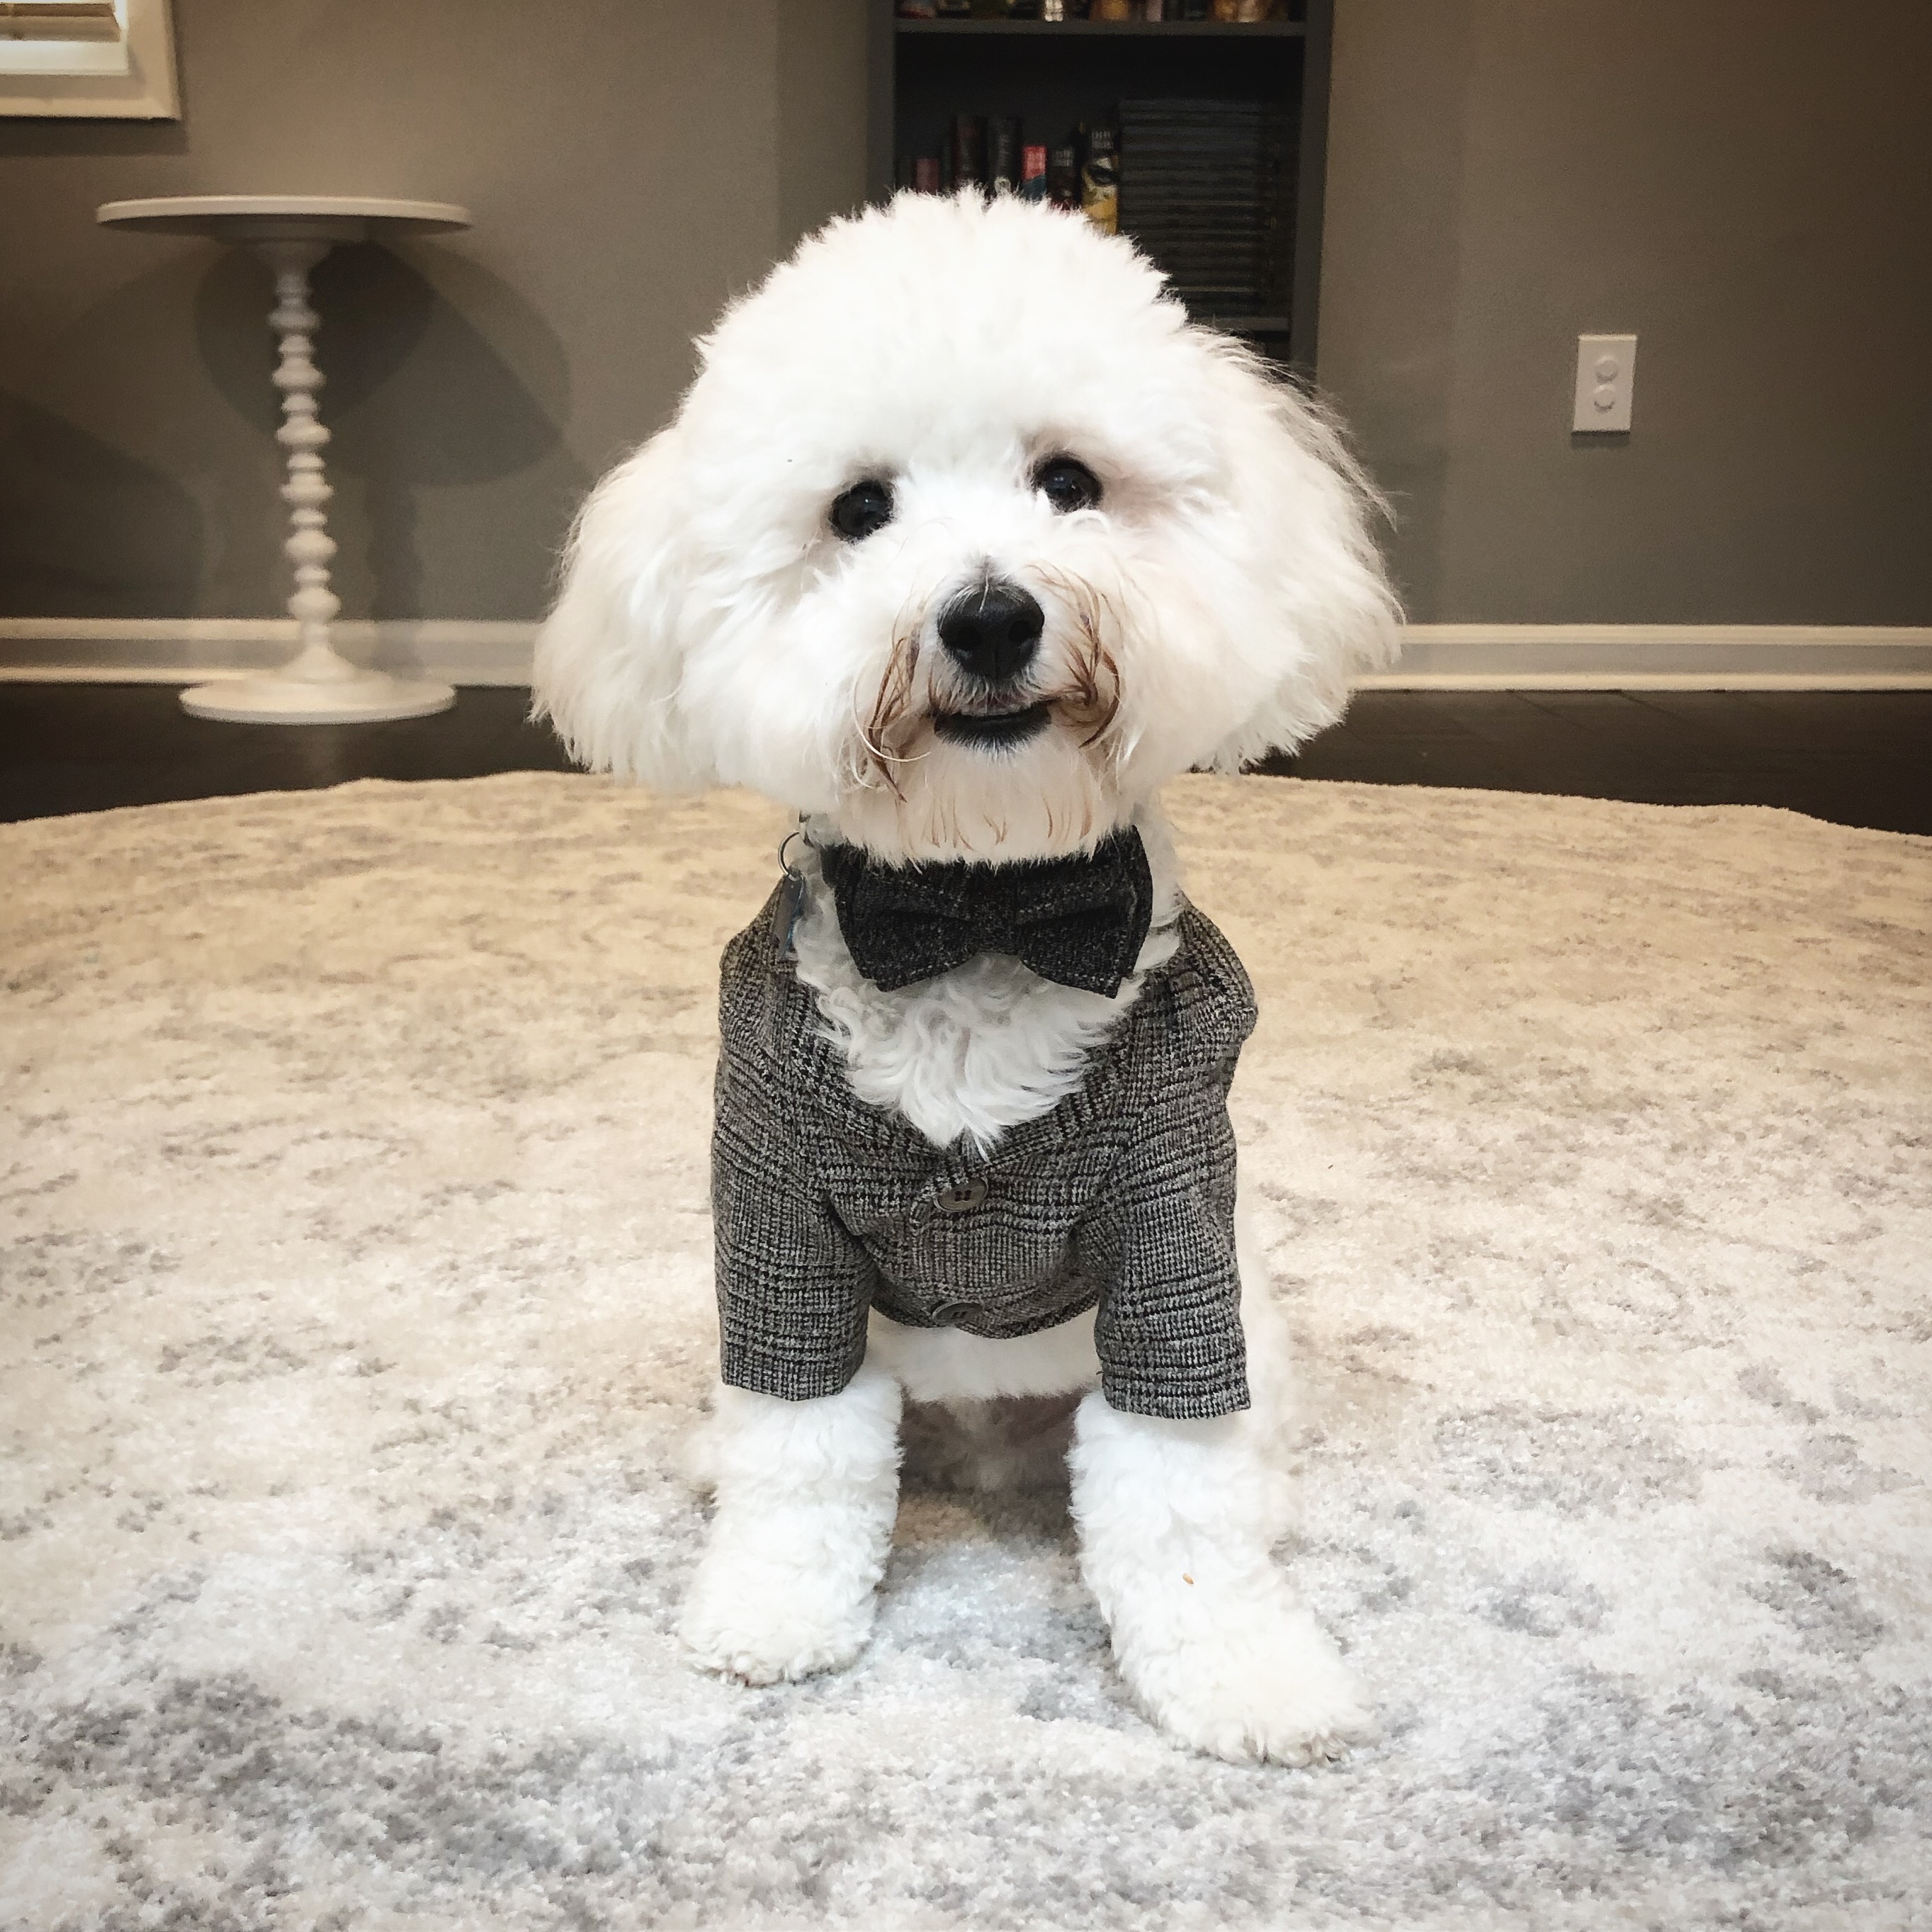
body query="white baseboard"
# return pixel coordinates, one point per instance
(1435, 657)
(186, 650)
(1660, 657)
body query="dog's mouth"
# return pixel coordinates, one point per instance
(993, 731)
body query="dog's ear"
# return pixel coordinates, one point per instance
(1321, 610)
(610, 656)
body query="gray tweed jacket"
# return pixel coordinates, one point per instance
(1121, 1197)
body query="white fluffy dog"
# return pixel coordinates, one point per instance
(963, 542)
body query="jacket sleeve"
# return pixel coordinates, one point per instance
(793, 1286)
(1161, 1239)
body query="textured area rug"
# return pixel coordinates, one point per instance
(356, 1294)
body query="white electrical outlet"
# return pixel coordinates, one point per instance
(1605, 374)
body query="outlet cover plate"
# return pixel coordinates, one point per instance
(1606, 377)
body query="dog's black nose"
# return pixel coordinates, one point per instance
(993, 631)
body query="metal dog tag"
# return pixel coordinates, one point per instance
(784, 917)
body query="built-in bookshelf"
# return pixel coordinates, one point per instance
(1055, 75)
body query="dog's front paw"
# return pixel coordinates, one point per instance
(761, 1626)
(1271, 1690)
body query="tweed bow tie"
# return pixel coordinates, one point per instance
(1080, 921)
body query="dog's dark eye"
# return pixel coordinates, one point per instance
(864, 508)
(1066, 484)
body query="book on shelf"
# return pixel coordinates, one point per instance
(1003, 153)
(1100, 179)
(1063, 174)
(968, 150)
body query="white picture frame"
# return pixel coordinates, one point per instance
(130, 79)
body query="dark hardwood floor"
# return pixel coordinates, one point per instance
(84, 747)
(1856, 757)
(1860, 757)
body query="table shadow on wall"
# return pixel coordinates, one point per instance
(87, 530)
(418, 399)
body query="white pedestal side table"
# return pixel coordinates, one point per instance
(291, 232)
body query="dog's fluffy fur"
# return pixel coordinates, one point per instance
(715, 629)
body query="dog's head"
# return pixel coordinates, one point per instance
(965, 537)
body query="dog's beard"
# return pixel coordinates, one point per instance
(909, 793)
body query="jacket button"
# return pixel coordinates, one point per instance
(957, 1200)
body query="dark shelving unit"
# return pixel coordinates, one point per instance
(1052, 74)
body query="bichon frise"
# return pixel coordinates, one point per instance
(962, 542)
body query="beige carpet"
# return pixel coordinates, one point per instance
(355, 1292)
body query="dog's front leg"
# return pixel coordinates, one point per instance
(806, 1493)
(1177, 1522)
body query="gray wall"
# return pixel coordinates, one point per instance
(622, 160)
(1746, 183)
